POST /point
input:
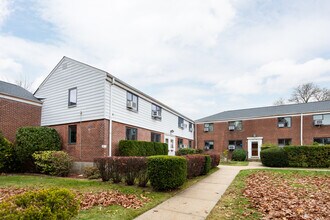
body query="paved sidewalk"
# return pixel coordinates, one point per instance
(197, 201)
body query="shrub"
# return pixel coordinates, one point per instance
(239, 155)
(195, 165)
(185, 151)
(215, 159)
(55, 163)
(268, 145)
(32, 139)
(141, 148)
(167, 172)
(7, 155)
(92, 172)
(43, 204)
(274, 157)
(207, 166)
(308, 156)
(128, 168)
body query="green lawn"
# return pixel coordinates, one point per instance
(234, 163)
(234, 205)
(82, 185)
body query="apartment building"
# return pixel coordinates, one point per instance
(18, 108)
(92, 110)
(293, 124)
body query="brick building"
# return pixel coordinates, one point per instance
(18, 108)
(294, 124)
(93, 110)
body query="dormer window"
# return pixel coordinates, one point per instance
(72, 102)
(156, 112)
(180, 123)
(132, 102)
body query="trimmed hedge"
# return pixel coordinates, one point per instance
(215, 159)
(167, 172)
(207, 166)
(43, 204)
(142, 148)
(129, 169)
(239, 155)
(308, 156)
(8, 162)
(195, 165)
(55, 163)
(296, 156)
(32, 139)
(92, 172)
(186, 151)
(274, 157)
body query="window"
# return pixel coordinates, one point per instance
(180, 123)
(237, 143)
(190, 144)
(72, 134)
(131, 134)
(284, 122)
(180, 143)
(322, 141)
(191, 128)
(208, 145)
(132, 101)
(72, 102)
(208, 127)
(284, 142)
(325, 118)
(156, 112)
(155, 137)
(235, 125)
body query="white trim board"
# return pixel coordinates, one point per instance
(20, 100)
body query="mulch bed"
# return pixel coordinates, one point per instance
(90, 199)
(297, 197)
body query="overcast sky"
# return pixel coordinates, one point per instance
(199, 57)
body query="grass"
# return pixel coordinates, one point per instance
(82, 185)
(234, 205)
(234, 163)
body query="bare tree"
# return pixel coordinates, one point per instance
(304, 93)
(323, 95)
(26, 84)
(280, 101)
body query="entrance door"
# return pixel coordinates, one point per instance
(170, 141)
(254, 147)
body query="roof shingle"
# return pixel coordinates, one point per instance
(16, 91)
(303, 108)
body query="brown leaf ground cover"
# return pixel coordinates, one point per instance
(296, 197)
(89, 199)
(275, 194)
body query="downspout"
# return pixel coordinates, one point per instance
(301, 129)
(195, 135)
(112, 82)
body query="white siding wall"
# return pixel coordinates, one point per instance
(142, 118)
(91, 95)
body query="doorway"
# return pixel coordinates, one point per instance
(170, 141)
(254, 147)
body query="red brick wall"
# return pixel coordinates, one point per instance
(14, 114)
(119, 133)
(266, 128)
(91, 135)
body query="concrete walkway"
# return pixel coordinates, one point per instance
(197, 201)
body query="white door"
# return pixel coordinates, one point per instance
(170, 141)
(254, 147)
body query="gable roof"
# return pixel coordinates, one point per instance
(311, 107)
(138, 92)
(16, 91)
